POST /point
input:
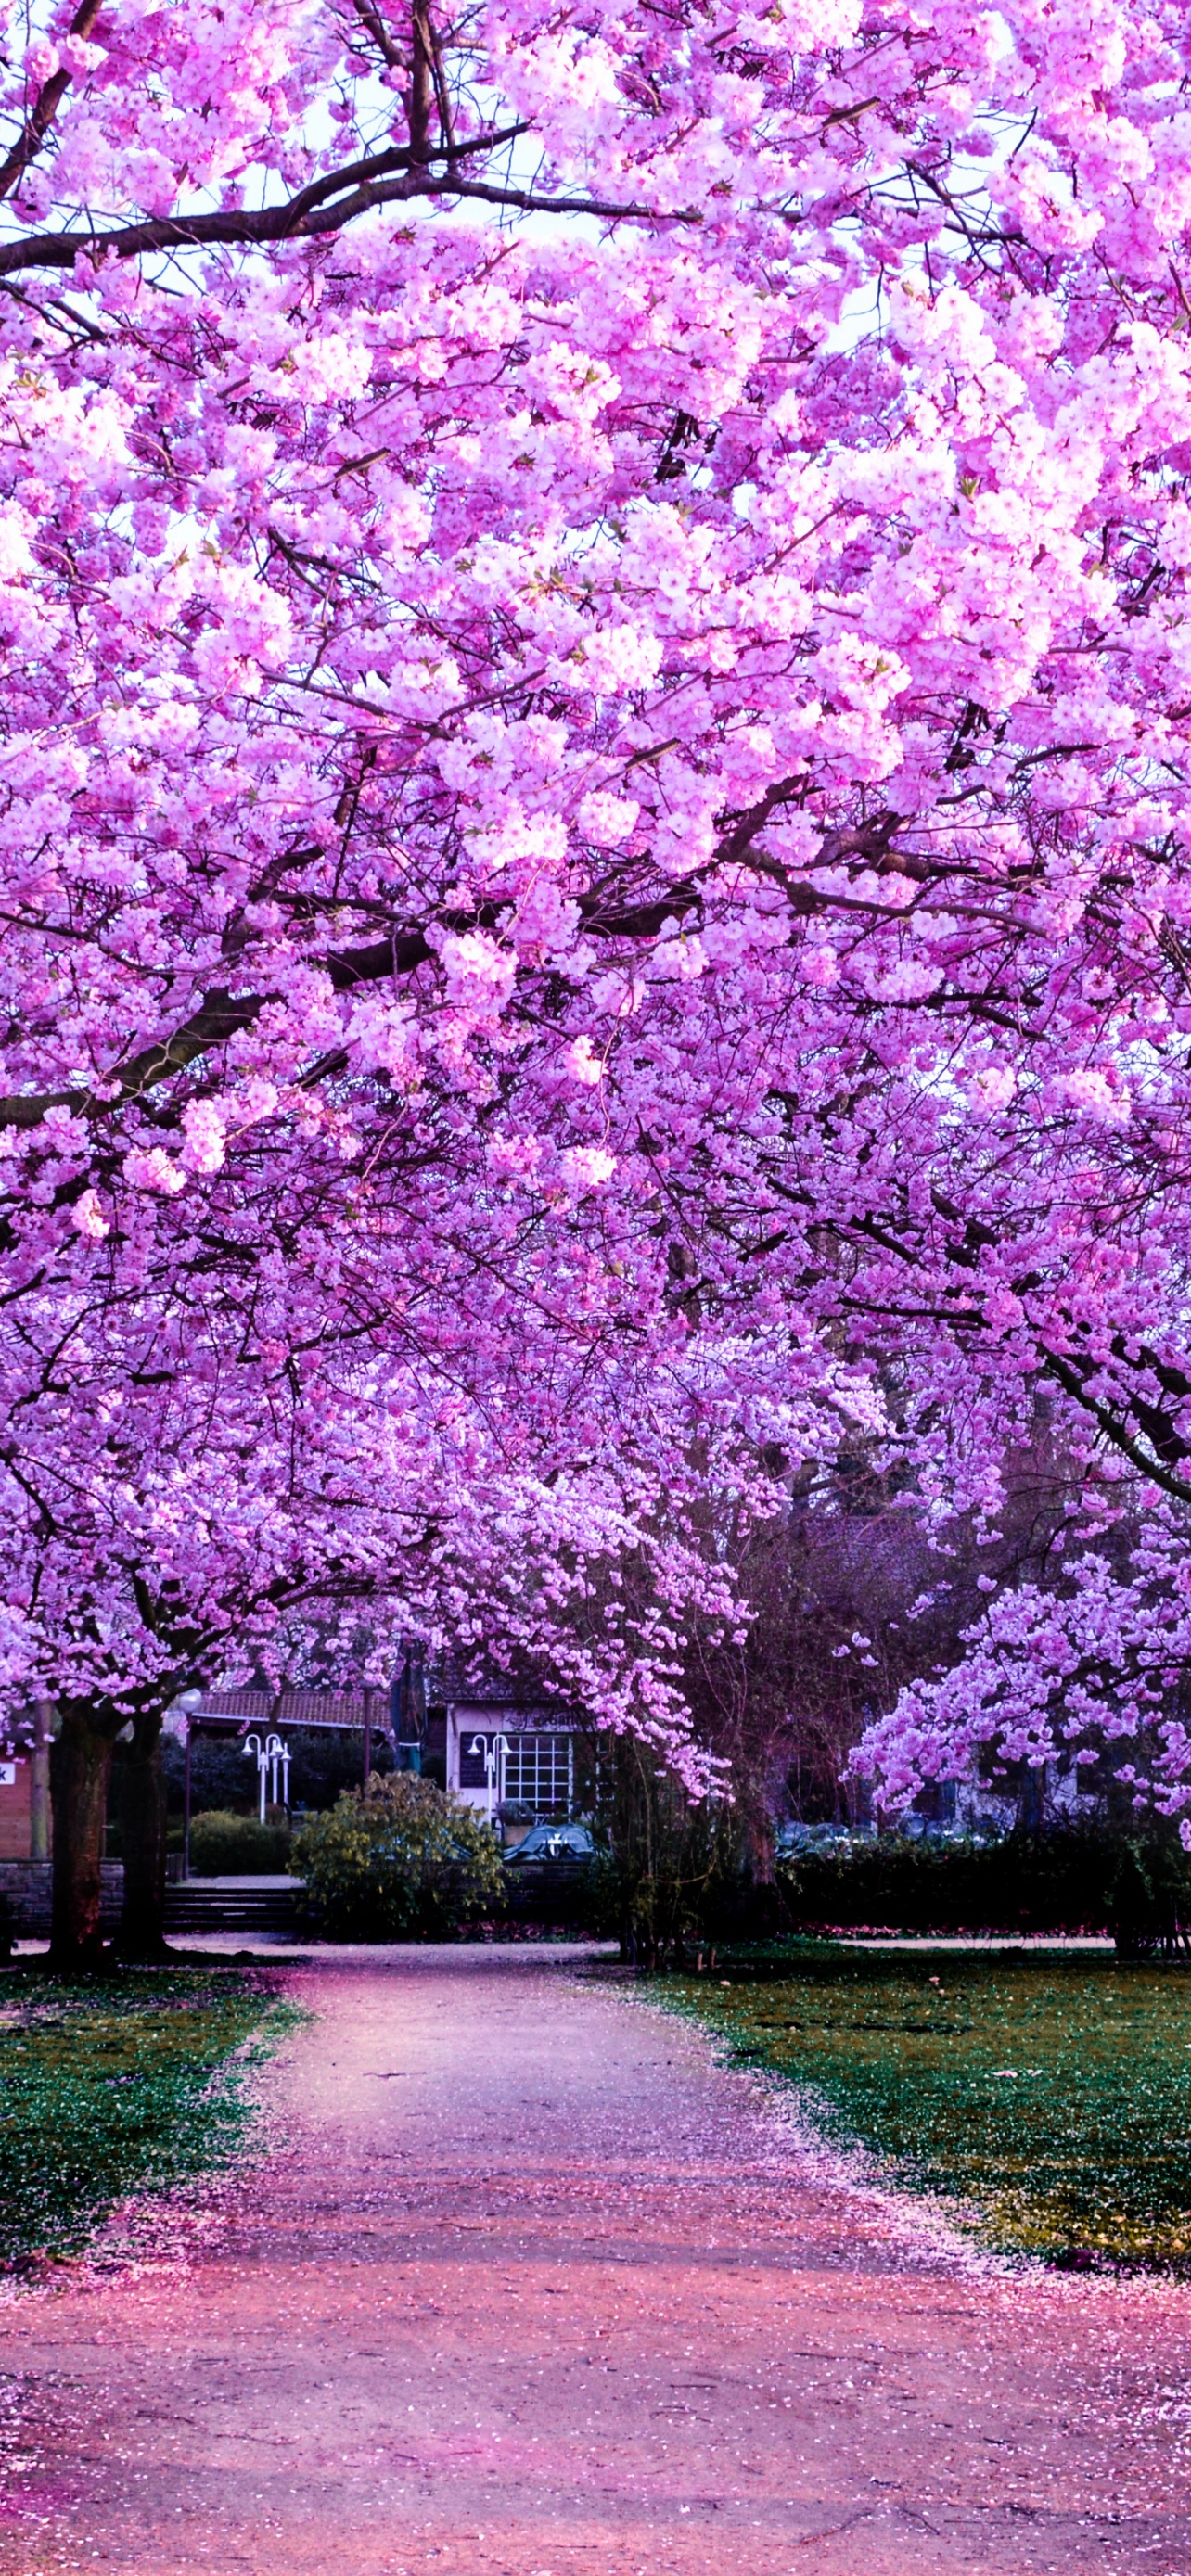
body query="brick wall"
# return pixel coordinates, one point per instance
(26, 1884)
(14, 1809)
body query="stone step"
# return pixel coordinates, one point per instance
(195, 1906)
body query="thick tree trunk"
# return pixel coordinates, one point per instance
(80, 1765)
(758, 1837)
(141, 1802)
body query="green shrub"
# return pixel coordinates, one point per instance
(1149, 1895)
(652, 1913)
(1073, 1879)
(223, 1845)
(397, 1860)
(1077, 1878)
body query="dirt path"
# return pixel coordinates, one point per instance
(537, 2290)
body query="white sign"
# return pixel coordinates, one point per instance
(8, 1775)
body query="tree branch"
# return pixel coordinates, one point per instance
(1071, 1380)
(45, 108)
(371, 19)
(222, 1015)
(309, 213)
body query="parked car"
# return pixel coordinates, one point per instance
(796, 1837)
(567, 1844)
(548, 1876)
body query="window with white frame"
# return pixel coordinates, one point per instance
(540, 1771)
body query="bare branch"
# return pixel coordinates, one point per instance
(371, 19)
(353, 191)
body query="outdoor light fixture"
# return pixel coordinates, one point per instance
(493, 1747)
(187, 1703)
(270, 1756)
(278, 1757)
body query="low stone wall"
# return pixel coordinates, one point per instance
(26, 1884)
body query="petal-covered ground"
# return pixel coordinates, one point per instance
(530, 2286)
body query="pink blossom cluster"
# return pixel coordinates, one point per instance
(593, 794)
(1082, 1679)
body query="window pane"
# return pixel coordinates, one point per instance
(538, 1771)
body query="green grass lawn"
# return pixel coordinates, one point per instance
(113, 2084)
(1049, 2095)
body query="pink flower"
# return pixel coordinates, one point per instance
(587, 1167)
(152, 1169)
(579, 1060)
(88, 1218)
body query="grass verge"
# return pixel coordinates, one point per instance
(1049, 2096)
(114, 2084)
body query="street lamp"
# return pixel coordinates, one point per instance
(277, 1757)
(252, 1744)
(493, 1748)
(187, 1701)
(269, 1756)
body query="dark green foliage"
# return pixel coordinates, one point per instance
(219, 1774)
(228, 1846)
(401, 1862)
(684, 1882)
(1149, 1896)
(673, 1872)
(561, 1892)
(106, 2088)
(1064, 1881)
(697, 1893)
(1049, 2097)
(324, 1761)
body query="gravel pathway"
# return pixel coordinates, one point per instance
(531, 2287)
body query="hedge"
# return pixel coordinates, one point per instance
(1068, 1880)
(224, 1845)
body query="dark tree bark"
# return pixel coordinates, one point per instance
(141, 1808)
(80, 1767)
(758, 1835)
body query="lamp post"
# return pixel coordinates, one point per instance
(269, 1756)
(493, 1748)
(189, 1701)
(252, 1745)
(277, 1758)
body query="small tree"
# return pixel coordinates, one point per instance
(397, 1859)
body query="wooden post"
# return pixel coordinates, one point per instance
(367, 1734)
(39, 1783)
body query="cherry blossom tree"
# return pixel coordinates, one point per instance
(596, 712)
(215, 1454)
(203, 1506)
(1085, 1677)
